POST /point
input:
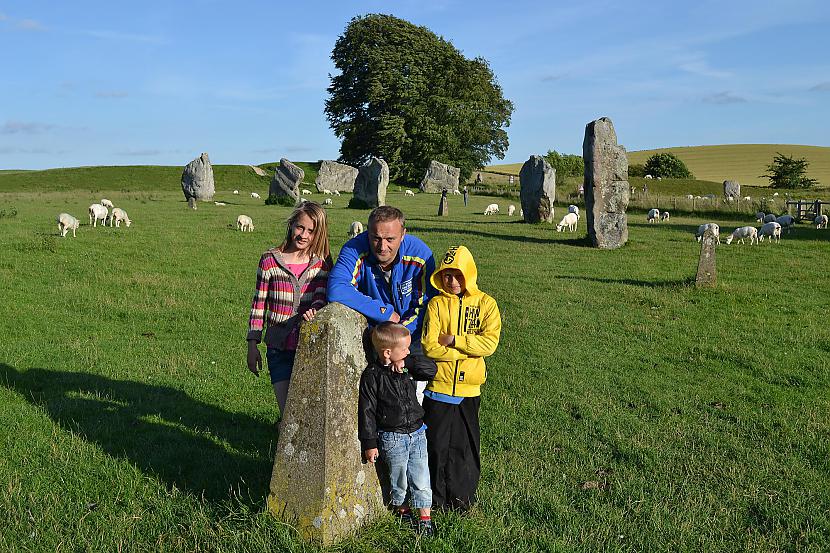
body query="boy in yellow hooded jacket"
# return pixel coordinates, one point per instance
(462, 327)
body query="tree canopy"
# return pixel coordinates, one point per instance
(787, 172)
(410, 97)
(668, 166)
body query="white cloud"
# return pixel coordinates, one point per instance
(723, 98)
(24, 127)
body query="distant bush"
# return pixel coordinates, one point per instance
(285, 201)
(11, 212)
(637, 170)
(788, 172)
(667, 166)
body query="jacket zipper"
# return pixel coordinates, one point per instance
(455, 377)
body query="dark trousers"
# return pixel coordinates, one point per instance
(454, 445)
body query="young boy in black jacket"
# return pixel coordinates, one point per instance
(390, 420)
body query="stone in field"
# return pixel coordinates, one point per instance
(286, 181)
(731, 189)
(606, 185)
(537, 181)
(191, 203)
(197, 179)
(440, 176)
(258, 170)
(443, 207)
(706, 270)
(370, 186)
(335, 176)
(319, 481)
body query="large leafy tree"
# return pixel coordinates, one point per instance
(788, 172)
(668, 166)
(409, 96)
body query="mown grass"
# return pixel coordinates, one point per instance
(624, 411)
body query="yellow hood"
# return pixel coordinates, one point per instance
(457, 257)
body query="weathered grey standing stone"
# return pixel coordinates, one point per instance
(318, 480)
(335, 176)
(286, 181)
(537, 181)
(371, 183)
(731, 188)
(443, 208)
(191, 203)
(440, 176)
(706, 271)
(606, 185)
(197, 179)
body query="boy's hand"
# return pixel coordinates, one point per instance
(395, 318)
(371, 455)
(399, 366)
(446, 340)
(254, 358)
(309, 314)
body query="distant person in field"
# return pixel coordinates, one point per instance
(391, 421)
(510, 180)
(384, 273)
(466, 193)
(290, 288)
(462, 327)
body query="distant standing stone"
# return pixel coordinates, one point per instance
(286, 181)
(606, 185)
(537, 182)
(370, 186)
(197, 179)
(440, 176)
(731, 189)
(191, 203)
(706, 270)
(335, 176)
(443, 208)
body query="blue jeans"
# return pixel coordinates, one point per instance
(406, 457)
(280, 364)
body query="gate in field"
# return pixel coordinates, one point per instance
(804, 210)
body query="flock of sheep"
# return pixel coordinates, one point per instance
(103, 211)
(772, 226)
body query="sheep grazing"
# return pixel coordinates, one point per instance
(306, 191)
(336, 192)
(690, 197)
(653, 215)
(574, 209)
(409, 193)
(327, 201)
(665, 216)
(219, 203)
(491, 209)
(243, 223)
(355, 229)
(569, 220)
(236, 192)
(67, 222)
(820, 221)
(747, 199)
(511, 209)
(759, 217)
(770, 218)
(96, 212)
(456, 192)
(773, 230)
(742, 233)
(119, 216)
(649, 177)
(702, 229)
(106, 203)
(254, 195)
(327, 191)
(786, 221)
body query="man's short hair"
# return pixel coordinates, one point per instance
(387, 335)
(386, 213)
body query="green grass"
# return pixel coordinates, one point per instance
(130, 422)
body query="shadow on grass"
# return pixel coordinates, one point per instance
(678, 283)
(582, 242)
(188, 444)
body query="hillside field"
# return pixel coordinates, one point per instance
(625, 410)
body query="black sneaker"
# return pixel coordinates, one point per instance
(426, 528)
(405, 517)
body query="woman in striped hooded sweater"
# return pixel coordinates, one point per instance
(290, 288)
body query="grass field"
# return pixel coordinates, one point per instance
(624, 410)
(741, 162)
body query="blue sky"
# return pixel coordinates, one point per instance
(158, 82)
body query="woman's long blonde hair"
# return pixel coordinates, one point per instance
(320, 243)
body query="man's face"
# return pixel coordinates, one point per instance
(385, 240)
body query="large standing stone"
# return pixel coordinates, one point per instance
(371, 183)
(197, 179)
(537, 180)
(440, 176)
(335, 176)
(286, 181)
(318, 479)
(606, 185)
(706, 270)
(731, 189)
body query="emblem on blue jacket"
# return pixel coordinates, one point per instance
(405, 287)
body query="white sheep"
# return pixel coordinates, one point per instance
(690, 197)
(236, 192)
(649, 177)
(97, 211)
(665, 216)
(511, 209)
(770, 218)
(409, 193)
(303, 200)
(491, 209)
(574, 209)
(336, 192)
(786, 221)
(708, 226)
(747, 199)
(355, 229)
(569, 220)
(106, 203)
(243, 223)
(773, 230)
(325, 191)
(67, 222)
(742, 233)
(219, 203)
(456, 192)
(653, 215)
(327, 201)
(306, 191)
(759, 217)
(119, 216)
(820, 221)
(255, 195)
(521, 213)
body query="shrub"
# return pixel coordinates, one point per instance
(667, 166)
(787, 172)
(286, 201)
(637, 170)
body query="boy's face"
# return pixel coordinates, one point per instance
(400, 351)
(452, 280)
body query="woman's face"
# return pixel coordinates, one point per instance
(302, 232)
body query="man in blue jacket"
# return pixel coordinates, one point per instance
(384, 274)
